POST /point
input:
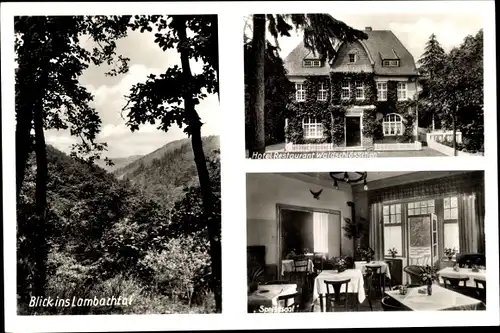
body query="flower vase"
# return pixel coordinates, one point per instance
(429, 289)
(393, 255)
(341, 269)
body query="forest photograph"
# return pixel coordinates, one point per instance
(117, 164)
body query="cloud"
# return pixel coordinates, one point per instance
(109, 99)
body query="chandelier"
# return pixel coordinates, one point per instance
(354, 177)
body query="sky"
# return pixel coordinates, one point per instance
(413, 30)
(145, 58)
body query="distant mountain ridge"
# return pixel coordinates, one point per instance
(118, 162)
(166, 171)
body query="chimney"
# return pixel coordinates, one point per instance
(368, 28)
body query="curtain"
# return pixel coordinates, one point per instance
(471, 221)
(376, 230)
(320, 232)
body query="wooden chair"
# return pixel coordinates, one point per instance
(318, 262)
(301, 272)
(333, 297)
(369, 286)
(389, 304)
(291, 302)
(481, 292)
(377, 277)
(453, 283)
(388, 281)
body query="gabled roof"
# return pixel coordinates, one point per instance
(381, 44)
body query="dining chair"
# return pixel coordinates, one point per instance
(481, 292)
(291, 302)
(388, 280)
(318, 262)
(301, 272)
(453, 283)
(333, 298)
(369, 286)
(377, 278)
(414, 272)
(389, 304)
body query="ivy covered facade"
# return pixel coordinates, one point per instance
(364, 96)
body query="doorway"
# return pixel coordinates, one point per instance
(307, 230)
(353, 131)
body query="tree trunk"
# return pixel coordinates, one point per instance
(40, 248)
(454, 122)
(201, 165)
(257, 88)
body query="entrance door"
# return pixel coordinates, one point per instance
(353, 131)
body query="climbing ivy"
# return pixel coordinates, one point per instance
(368, 80)
(331, 113)
(372, 124)
(332, 117)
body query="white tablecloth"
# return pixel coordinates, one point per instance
(267, 295)
(288, 266)
(441, 299)
(355, 286)
(462, 273)
(384, 268)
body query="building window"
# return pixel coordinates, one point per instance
(392, 125)
(382, 91)
(352, 58)
(312, 63)
(322, 92)
(402, 91)
(312, 129)
(300, 92)
(346, 90)
(391, 63)
(360, 90)
(421, 207)
(451, 236)
(392, 228)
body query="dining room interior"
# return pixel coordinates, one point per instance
(366, 241)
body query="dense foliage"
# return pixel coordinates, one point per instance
(456, 91)
(277, 89)
(109, 239)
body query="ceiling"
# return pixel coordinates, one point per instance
(371, 176)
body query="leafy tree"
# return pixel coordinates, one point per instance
(318, 31)
(48, 96)
(278, 89)
(171, 98)
(431, 64)
(458, 92)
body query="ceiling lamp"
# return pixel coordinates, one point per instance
(349, 178)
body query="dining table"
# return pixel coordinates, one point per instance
(463, 273)
(417, 299)
(266, 296)
(356, 285)
(363, 265)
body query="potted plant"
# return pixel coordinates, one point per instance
(340, 264)
(354, 229)
(366, 253)
(428, 276)
(449, 252)
(393, 252)
(291, 254)
(255, 277)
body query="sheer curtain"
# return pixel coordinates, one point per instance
(471, 225)
(376, 230)
(320, 231)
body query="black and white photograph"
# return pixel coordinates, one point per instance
(363, 85)
(366, 241)
(117, 165)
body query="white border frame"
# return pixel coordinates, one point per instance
(234, 166)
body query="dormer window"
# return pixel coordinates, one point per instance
(312, 63)
(352, 58)
(390, 63)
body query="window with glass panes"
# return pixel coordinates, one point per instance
(450, 219)
(312, 129)
(322, 92)
(346, 90)
(360, 90)
(300, 92)
(421, 207)
(392, 218)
